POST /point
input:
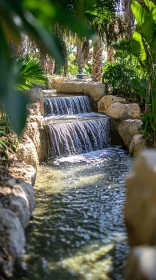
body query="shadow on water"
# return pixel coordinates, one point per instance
(77, 231)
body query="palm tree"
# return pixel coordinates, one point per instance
(97, 61)
(100, 19)
(128, 18)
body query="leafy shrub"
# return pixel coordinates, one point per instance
(125, 79)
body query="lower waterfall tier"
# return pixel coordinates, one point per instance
(78, 137)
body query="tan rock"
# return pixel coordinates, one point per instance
(19, 198)
(20, 170)
(107, 100)
(127, 129)
(27, 152)
(137, 145)
(140, 206)
(12, 240)
(141, 264)
(133, 111)
(119, 110)
(94, 89)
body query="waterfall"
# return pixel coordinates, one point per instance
(66, 105)
(72, 128)
(78, 137)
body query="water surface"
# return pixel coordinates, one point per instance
(77, 231)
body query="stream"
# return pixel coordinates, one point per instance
(77, 231)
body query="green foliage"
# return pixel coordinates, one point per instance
(31, 73)
(142, 45)
(146, 125)
(72, 65)
(31, 17)
(125, 78)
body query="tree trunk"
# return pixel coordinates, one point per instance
(128, 18)
(65, 66)
(97, 61)
(51, 66)
(80, 56)
(110, 54)
(85, 50)
(43, 59)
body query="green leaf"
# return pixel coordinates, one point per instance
(139, 12)
(137, 46)
(146, 23)
(31, 73)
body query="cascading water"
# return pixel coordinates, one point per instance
(77, 231)
(78, 137)
(75, 137)
(66, 105)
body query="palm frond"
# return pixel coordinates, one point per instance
(31, 73)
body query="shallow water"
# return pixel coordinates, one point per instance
(77, 231)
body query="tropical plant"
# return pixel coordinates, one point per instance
(142, 45)
(33, 19)
(31, 73)
(125, 79)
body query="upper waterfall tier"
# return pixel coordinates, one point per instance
(78, 137)
(66, 105)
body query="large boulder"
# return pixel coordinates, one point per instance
(12, 240)
(127, 129)
(107, 100)
(140, 206)
(119, 110)
(141, 264)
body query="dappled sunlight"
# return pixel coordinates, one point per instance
(91, 262)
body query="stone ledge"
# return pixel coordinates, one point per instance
(94, 89)
(16, 205)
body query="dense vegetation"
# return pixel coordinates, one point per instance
(116, 37)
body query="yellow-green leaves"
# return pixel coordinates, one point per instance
(137, 46)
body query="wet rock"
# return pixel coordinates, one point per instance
(141, 264)
(106, 101)
(12, 240)
(140, 206)
(127, 129)
(138, 144)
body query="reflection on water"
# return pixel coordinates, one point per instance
(77, 231)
